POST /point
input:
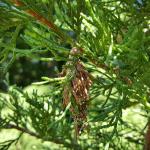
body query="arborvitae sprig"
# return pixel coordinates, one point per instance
(114, 38)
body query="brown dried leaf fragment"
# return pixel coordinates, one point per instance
(79, 90)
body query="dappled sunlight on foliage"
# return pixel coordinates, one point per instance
(74, 74)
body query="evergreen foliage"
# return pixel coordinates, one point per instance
(36, 37)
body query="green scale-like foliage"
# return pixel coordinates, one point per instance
(114, 38)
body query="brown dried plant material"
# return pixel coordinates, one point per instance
(78, 89)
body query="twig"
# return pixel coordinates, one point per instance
(116, 71)
(57, 141)
(11, 126)
(44, 21)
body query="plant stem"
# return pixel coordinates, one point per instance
(46, 22)
(57, 141)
